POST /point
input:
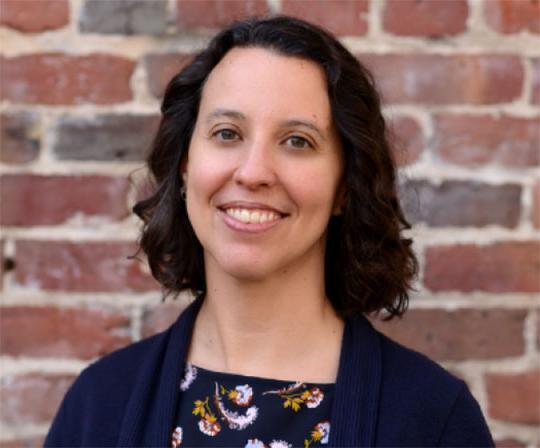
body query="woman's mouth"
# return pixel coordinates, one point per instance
(250, 220)
(250, 216)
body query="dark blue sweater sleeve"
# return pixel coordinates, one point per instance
(466, 426)
(61, 430)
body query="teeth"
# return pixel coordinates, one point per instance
(252, 216)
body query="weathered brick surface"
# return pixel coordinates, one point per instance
(511, 266)
(32, 397)
(456, 79)
(460, 80)
(538, 330)
(216, 13)
(2, 264)
(64, 333)
(536, 205)
(425, 18)
(535, 94)
(123, 16)
(105, 137)
(88, 266)
(514, 397)
(29, 200)
(20, 137)
(159, 319)
(23, 442)
(348, 17)
(461, 334)
(481, 139)
(34, 16)
(506, 16)
(509, 443)
(161, 68)
(458, 203)
(56, 79)
(407, 139)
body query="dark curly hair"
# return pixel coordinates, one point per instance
(369, 266)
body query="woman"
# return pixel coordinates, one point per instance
(276, 203)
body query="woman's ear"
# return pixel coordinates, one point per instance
(183, 169)
(340, 200)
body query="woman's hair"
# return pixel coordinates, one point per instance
(369, 266)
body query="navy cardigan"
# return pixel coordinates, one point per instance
(386, 395)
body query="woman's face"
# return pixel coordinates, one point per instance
(264, 165)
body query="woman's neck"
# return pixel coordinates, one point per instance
(283, 328)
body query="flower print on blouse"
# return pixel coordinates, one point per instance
(320, 434)
(190, 373)
(177, 437)
(299, 394)
(224, 409)
(255, 443)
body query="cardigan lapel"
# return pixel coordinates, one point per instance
(356, 400)
(150, 411)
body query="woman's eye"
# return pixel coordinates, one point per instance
(225, 134)
(299, 142)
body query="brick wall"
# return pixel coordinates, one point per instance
(80, 88)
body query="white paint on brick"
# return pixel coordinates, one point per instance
(26, 431)
(22, 365)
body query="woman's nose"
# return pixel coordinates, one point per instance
(255, 168)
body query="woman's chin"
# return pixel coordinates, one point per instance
(246, 270)
(248, 274)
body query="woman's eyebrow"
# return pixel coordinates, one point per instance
(218, 113)
(308, 124)
(225, 113)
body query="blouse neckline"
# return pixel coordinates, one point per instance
(218, 375)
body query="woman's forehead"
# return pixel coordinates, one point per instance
(259, 82)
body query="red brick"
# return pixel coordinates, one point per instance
(20, 136)
(32, 397)
(407, 139)
(461, 334)
(509, 443)
(157, 319)
(104, 137)
(514, 397)
(29, 200)
(34, 16)
(2, 264)
(536, 205)
(461, 203)
(23, 442)
(340, 17)
(538, 331)
(437, 79)
(482, 139)
(63, 333)
(535, 99)
(123, 17)
(56, 79)
(2, 261)
(85, 266)
(425, 17)
(513, 16)
(216, 13)
(161, 68)
(511, 266)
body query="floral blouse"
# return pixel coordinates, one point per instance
(223, 409)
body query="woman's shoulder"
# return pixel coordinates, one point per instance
(125, 362)
(406, 365)
(427, 399)
(100, 394)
